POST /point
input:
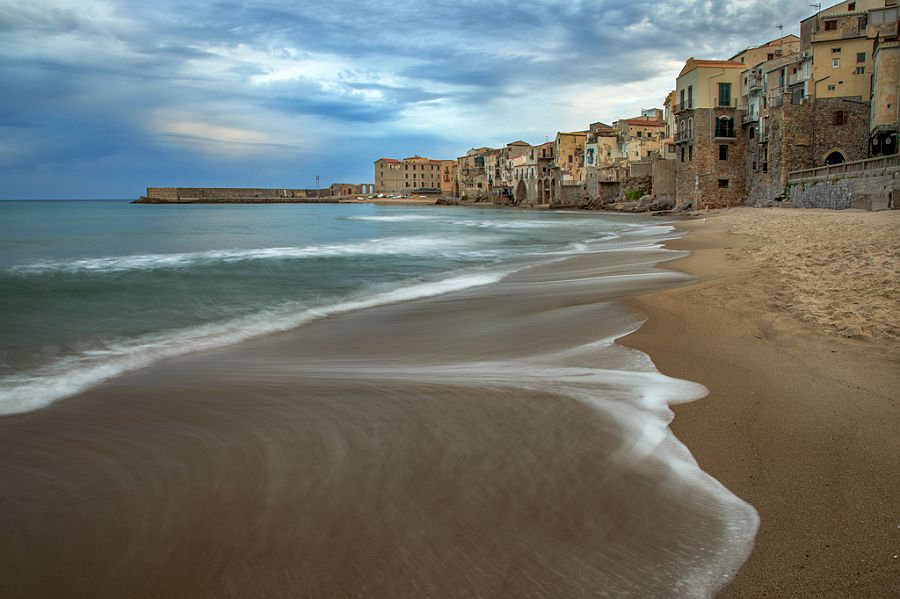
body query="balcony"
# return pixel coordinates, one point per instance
(838, 34)
(750, 118)
(755, 83)
(682, 106)
(725, 131)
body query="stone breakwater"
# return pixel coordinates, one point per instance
(207, 195)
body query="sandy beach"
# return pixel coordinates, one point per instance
(793, 327)
(496, 441)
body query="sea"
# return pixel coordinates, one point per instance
(345, 400)
(91, 289)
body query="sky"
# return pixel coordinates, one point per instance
(103, 98)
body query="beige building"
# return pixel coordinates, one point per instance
(884, 110)
(449, 182)
(569, 154)
(409, 175)
(836, 41)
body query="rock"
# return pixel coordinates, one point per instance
(662, 204)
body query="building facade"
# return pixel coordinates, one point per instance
(409, 175)
(709, 169)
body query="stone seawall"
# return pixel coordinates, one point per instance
(840, 193)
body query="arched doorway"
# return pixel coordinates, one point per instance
(521, 193)
(834, 158)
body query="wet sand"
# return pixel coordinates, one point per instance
(492, 442)
(801, 421)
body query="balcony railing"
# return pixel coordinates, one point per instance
(725, 131)
(872, 166)
(682, 106)
(750, 118)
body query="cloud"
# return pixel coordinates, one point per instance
(178, 92)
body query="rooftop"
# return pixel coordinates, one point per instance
(692, 63)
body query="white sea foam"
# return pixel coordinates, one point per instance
(396, 218)
(374, 247)
(70, 375)
(530, 224)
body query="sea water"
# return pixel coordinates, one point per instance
(91, 289)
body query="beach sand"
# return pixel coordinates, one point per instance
(793, 327)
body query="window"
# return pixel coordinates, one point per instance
(835, 63)
(752, 132)
(860, 57)
(851, 6)
(831, 88)
(835, 50)
(724, 94)
(681, 104)
(860, 70)
(690, 94)
(838, 117)
(682, 153)
(830, 25)
(723, 152)
(690, 152)
(724, 127)
(639, 134)
(723, 183)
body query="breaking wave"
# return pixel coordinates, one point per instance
(112, 264)
(70, 375)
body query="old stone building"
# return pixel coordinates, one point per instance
(640, 137)
(709, 170)
(472, 177)
(409, 175)
(602, 163)
(568, 152)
